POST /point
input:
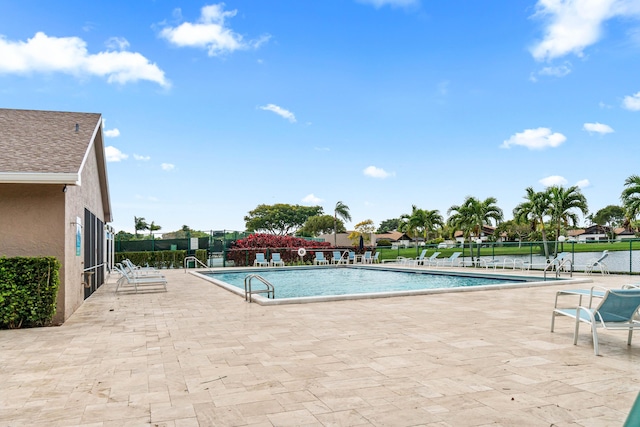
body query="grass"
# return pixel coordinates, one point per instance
(504, 249)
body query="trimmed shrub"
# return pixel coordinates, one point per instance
(160, 259)
(243, 252)
(28, 291)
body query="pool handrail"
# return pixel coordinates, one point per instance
(248, 291)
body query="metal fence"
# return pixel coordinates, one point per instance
(216, 243)
(623, 257)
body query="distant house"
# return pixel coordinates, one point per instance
(624, 233)
(397, 238)
(54, 197)
(487, 232)
(600, 232)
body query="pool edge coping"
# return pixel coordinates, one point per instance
(260, 300)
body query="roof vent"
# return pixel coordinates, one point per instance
(77, 127)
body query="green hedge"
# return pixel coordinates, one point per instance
(160, 259)
(28, 291)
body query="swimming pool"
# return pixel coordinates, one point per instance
(311, 284)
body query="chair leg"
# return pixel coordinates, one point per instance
(577, 328)
(630, 336)
(594, 331)
(553, 320)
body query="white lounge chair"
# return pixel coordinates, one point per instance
(599, 264)
(138, 271)
(146, 283)
(339, 258)
(448, 261)
(616, 311)
(420, 258)
(276, 261)
(366, 258)
(320, 259)
(352, 258)
(260, 260)
(432, 260)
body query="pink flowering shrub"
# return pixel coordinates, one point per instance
(243, 252)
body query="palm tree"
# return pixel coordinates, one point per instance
(340, 211)
(153, 227)
(534, 210)
(564, 202)
(422, 221)
(631, 197)
(139, 224)
(473, 214)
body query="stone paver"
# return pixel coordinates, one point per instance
(201, 356)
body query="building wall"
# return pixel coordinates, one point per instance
(40, 220)
(88, 195)
(32, 223)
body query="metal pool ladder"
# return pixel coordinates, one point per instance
(248, 290)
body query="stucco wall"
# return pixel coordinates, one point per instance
(39, 220)
(88, 196)
(32, 223)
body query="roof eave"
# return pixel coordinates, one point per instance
(39, 178)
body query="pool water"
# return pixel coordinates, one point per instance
(297, 283)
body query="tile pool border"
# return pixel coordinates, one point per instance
(259, 299)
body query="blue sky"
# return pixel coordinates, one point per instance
(214, 108)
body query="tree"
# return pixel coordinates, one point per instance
(612, 216)
(321, 224)
(280, 219)
(139, 225)
(364, 229)
(341, 211)
(123, 235)
(473, 214)
(514, 230)
(631, 197)
(534, 210)
(564, 202)
(153, 227)
(421, 222)
(184, 233)
(388, 225)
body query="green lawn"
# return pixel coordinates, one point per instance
(497, 249)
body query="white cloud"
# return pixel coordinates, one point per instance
(312, 199)
(113, 154)
(210, 32)
(117, 43)
(393, 3)
(558, 71)
(112, 133)
(535, 139)
(280, 111)
(141, 158)
(573, 25)
(583, 183)
(600, 128)
(553, 180)
(632, 102)
(167, 166)
(69, 55)
(375, 172)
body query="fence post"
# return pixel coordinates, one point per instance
(630, 257)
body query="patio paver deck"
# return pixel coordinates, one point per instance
(198, 355)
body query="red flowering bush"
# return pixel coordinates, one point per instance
(243, 252)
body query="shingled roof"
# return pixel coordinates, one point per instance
(50, 147)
